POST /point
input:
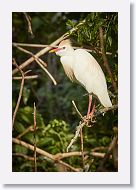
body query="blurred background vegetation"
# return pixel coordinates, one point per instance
(56, 117)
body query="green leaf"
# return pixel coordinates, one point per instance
(19, 127)
(20, 149)
(110, 40)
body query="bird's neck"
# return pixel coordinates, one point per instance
(69, 51)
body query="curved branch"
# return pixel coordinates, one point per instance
(44, 153)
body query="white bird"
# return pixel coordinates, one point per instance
(81, 66)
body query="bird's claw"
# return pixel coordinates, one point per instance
(92, 119)
(89, 119)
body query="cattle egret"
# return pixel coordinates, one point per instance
(81, 66)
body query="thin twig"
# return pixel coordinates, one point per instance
(48, 73)
(28, 18)
(24, 132)
(106, 64)
(78, 112)
(78, 128)
(60, 156)
(107, 155)
(30, 53)
(43, 153)
(104, 110)
(84, 122)
(33, 45)
(46, 49)
(20, 92)
(28, 71)
(40, 62)
(82, 147)
(99, 148)
(24, 156)
(35, 163)
(26, 77)
(45, 45)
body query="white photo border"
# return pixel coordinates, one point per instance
(123, 174)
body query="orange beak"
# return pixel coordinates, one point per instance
(55, 50)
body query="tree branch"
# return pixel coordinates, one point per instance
(84, 122)
(106, 64)
(82, 147)
(34, 127)
(39, 61)
(107, 155)
(24, 132)
(46, 49)
(28, 18)
(104, 110)
(30, 53)
(20, 92)
(24, 156)
(44, 153)
(26, 77)
(45, 45)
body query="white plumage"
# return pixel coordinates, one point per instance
(81, 66)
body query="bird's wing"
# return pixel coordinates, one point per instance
(86, 69)
(89, 73)
(66, 63)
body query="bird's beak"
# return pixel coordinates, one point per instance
(55, 50)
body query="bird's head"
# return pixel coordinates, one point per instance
(63, 49)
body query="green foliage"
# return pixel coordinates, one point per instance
(56, 136)
(56, 118)
(88, 33)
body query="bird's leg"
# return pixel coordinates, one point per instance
(90, 112)
(89, 105)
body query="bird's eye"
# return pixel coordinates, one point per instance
(64, 48)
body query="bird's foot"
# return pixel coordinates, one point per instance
(92, 119)
(89, 120)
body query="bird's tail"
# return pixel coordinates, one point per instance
(105, 100)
